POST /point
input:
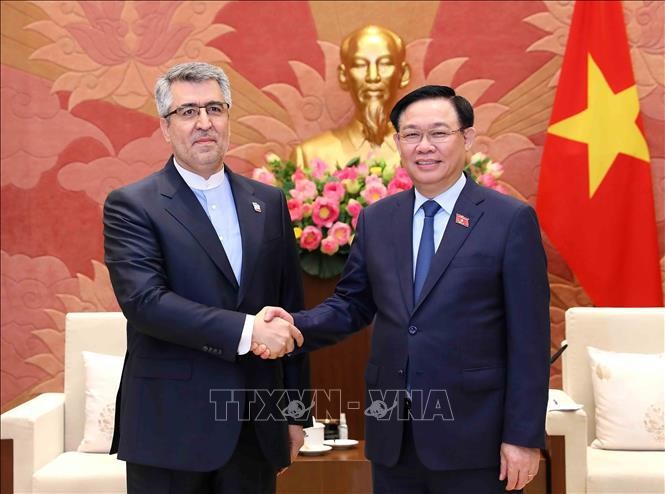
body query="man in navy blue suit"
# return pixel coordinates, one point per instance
(191, 251)
(454, 277)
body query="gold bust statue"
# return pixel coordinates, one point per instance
(372, 69)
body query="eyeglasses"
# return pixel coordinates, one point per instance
(214, 109)
(435, 136)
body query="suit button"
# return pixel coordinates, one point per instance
(206, 348)
(413, 330)
(400, 372)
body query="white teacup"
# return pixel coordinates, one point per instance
(314, 436)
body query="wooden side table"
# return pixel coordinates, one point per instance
(539, 484)
(340, 471)
(6, 466)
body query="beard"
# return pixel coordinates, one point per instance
(375, 121)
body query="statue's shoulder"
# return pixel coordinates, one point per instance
(322, 139)
(330, 146)
(338, 135)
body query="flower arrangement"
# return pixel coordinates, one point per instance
(485, 172)
(324, 202)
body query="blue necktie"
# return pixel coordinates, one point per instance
(426, 248)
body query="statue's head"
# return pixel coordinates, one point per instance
(373, 69)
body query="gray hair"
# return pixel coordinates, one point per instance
(189, 72)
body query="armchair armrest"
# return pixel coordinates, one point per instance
(571, 425)
(37, 428)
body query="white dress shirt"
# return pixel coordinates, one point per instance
(216, 199)
(446, 200)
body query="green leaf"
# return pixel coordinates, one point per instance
(321, 265)
(353, 161)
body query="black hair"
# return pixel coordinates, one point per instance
(462, 106)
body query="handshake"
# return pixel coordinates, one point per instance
(274, 334)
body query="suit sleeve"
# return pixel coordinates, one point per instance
(526, 298)
(350, 308)
(134, 258)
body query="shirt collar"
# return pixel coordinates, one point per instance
(197, 182)
(446, 199)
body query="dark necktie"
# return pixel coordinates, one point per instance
(426, 248)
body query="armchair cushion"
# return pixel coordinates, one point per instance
(102, 378)
(621, 472)
(73, 472)
(629, 393)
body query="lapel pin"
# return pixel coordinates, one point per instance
(257, 207)
(460, 219)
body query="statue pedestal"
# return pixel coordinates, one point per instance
(339, 367)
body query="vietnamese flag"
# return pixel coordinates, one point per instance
(595, 200)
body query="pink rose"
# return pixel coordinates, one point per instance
(348, 173)
(310, 238)
(325, 212)
(496, 169)
(401, 181)
(487, 180)
(374, 192)
(354, 208)
(306, 210)
(334, 190)
(341, 232)
(354, 222)
(329, 246)
(295, 209)
(298, 175)
(264, 175)
(304, 190)
(402, 175)
(373, 180)
(319, 168)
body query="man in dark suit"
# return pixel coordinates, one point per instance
(192, 253)
(454, 276)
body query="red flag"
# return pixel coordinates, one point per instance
(595, 200)
(462, 220)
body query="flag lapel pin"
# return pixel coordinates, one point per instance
(460, 219)
(257, 207)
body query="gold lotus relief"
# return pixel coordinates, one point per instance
(32, 114)
(96, 178)
(644, 28)
(118, 49)
(42, 292)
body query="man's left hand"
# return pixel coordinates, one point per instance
(519, 465)
(261, 349)
(296, 440)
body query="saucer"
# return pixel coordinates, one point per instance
(341, 443)
(314, 450)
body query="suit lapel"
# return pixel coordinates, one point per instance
(251, 218)
(467, 205)
(185, 207)
(402, 237)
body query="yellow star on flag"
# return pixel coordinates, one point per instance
(608, 126)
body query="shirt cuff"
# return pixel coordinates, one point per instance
(246, 336)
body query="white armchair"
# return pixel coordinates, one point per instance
(48, 429)
(591, 470)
